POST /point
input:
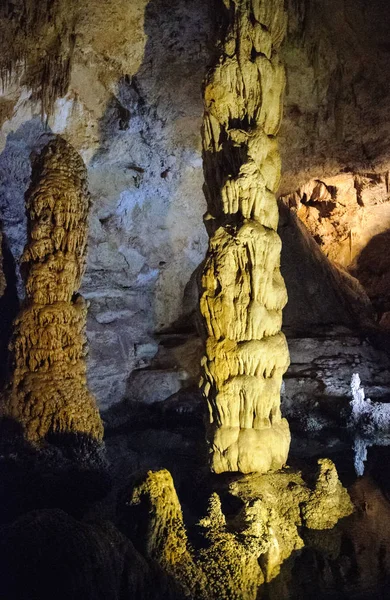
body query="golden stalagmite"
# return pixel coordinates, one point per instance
(48, 390)
(242, 290)
(235, 555)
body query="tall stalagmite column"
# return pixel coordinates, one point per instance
(48, 391)
(242, 290)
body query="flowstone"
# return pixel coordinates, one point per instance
(48, 391)
(235, 556)
(242, 290)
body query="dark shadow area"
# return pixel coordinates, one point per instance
(48, 554)
(319, 294)
(372, 269)
(9, 306)
(67, 471)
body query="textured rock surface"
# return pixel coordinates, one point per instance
(320, 293)
(133, 110)
(349, 217)
(316, 391)
(235, 557)
(48, 390)
(336, 110)
(242, 290)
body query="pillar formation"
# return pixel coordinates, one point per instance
(48, 391)
(242, 290)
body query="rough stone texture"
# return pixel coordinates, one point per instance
(242, 290)
(316, 391)
(336, 110)
(235, 556)
(319, 292)
(349, 217)
(133, 109)
(48, 391)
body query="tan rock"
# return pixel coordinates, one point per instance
(242, 290)
(236, 556)
(48, 390)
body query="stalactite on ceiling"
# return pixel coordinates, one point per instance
(37, 41)
(48, 390)
(242, 290)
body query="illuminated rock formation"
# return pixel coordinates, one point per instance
(48, 390)
(237, 555)
(242, 290)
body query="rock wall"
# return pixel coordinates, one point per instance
(348, 215)
(133, 110)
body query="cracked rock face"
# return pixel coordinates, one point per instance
(48, 390)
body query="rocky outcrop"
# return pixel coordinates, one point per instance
(242, 290)
(320, 293)
(316, 391)
(235, 556)
(29, 33)
(48, 391)
(348, 215)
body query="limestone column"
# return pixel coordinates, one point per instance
(242, 290)
(48, 391)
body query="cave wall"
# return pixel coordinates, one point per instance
(128, 97)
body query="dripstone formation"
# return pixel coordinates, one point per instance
(48, 391)
(242, 290)
(236, 555)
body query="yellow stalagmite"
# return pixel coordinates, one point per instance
(242, 290)
(48, 390)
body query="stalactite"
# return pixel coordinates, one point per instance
(37, 40)
(242, 290)
(48, 390)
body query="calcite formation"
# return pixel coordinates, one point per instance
(48, 391)
(38, 40)
(242, 290)
(235, 556)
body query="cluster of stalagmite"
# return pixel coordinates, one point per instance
(236, 556)
(242, 290)
(48, 391)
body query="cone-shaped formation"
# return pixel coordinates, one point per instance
(48, 391)
(243, 292)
